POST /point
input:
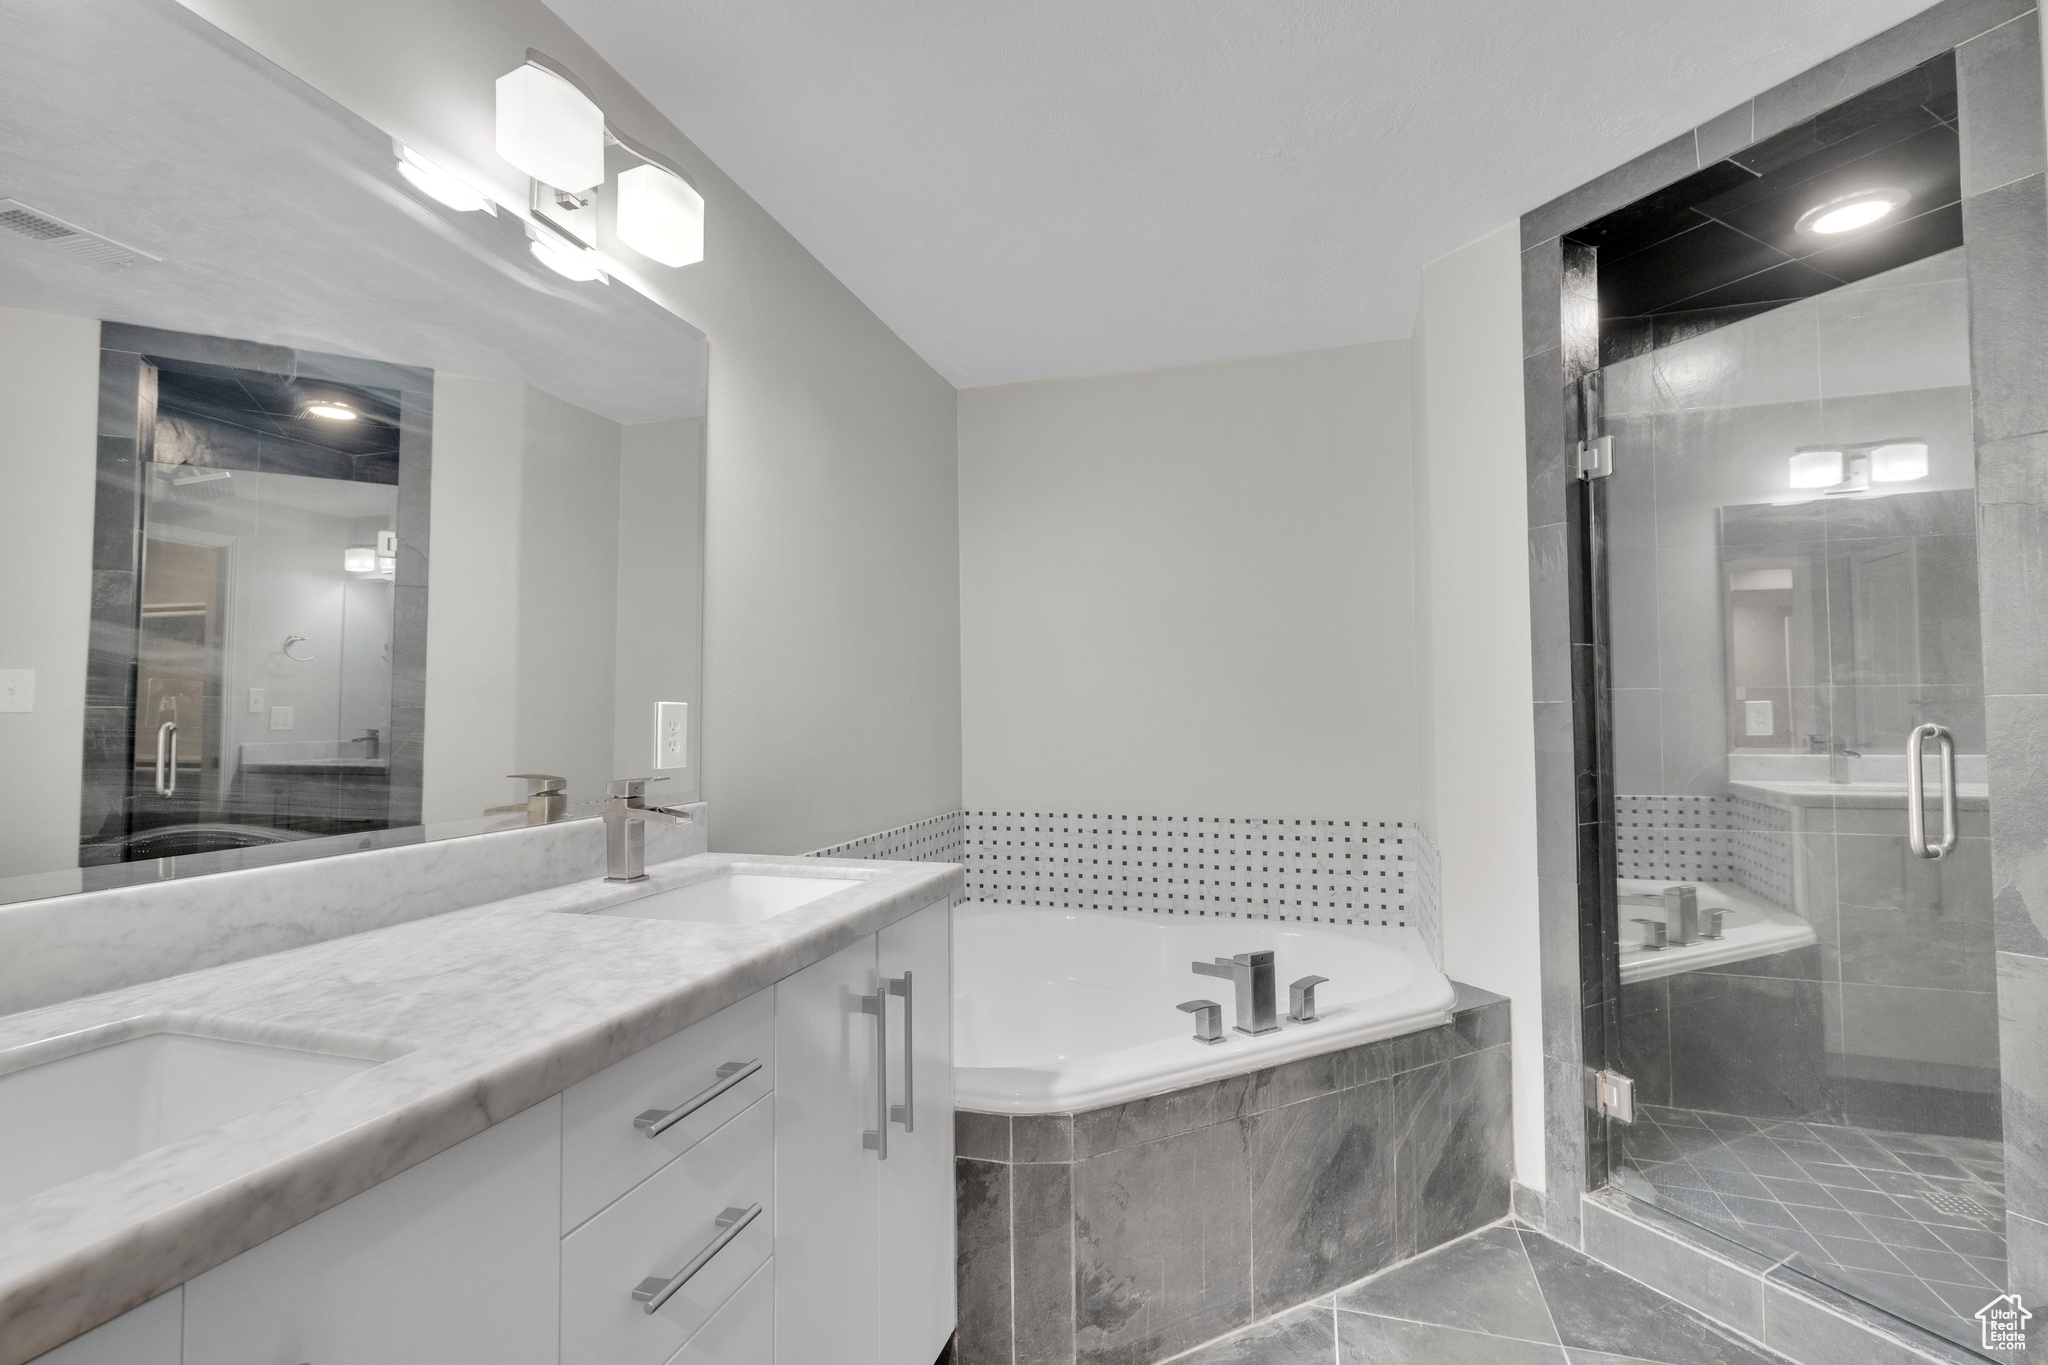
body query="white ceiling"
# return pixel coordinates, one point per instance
(1027, 190)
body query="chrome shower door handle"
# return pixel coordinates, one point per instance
(906, 1112)
(876, 1139)
(1916, 792)
(654, 1291)
(167, 773)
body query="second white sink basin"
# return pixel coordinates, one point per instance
(732, 898)
(79, 1114)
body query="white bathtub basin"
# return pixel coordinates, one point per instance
(1062, 1010)
(67, 1118)
(1750, 928)
(732, 898)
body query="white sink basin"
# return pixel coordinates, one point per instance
(732, 898)
(79, 1114)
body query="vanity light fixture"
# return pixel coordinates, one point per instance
(1847, 212)
(1898, 461)
(333, 409)
(440, 184)
(570, 262)
(549, 128)
(661, 215)
(1816, 468)
(359, 559)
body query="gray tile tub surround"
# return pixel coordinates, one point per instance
(1504, 1295)
(65, 947)
(492, 1010)
(1762, 1298)
(1123, 1235)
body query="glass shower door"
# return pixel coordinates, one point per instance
(1807, 1002)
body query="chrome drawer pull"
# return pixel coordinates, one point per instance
(655, 1122)
(906, 1112)
(654, 1291)
(876, 1139)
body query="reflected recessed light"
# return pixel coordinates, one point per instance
(440, 185)
(1847, 212)
(331, 409)
(566, 261)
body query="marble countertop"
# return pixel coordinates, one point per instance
(482, 1013)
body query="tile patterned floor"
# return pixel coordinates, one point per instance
(1912, 1223)
(1500, 1296)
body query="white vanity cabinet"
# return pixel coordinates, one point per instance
(864, 1150)
(737, 1150)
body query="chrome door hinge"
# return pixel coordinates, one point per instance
(1596, 458)
(1615, 1096)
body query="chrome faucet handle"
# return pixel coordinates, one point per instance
(1208, 1019)
(539, 784)
(1301, 1000)
(1713, 929)
(631, 788)
(1654, 931)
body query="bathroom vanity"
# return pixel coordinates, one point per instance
(703, 1118)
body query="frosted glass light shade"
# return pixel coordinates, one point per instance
(1899, 461)
(1816, 468)
(550, 129)
(661, 216)
(359, 559)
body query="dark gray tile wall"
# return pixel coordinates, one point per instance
(2006, 226)
(1127, 1234)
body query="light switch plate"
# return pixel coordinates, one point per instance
(671, 734)
(255, 701)
(280, 717)
(17, 689)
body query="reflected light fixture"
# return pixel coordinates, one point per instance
(1816, 468)
(1848, 212)
(359, 559)
(661, 215)
(333, 409)
(1898, 461)
(550, 129)
(565, 260)
(439, 184)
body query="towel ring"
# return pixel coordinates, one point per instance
(291, 640)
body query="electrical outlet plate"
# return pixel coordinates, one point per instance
(17, 689)
(671, 734)
(280, 717)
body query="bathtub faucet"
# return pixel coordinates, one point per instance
(1252, 974)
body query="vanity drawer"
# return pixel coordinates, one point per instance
(604, 1154)
(742, 1332)
(655, 1231)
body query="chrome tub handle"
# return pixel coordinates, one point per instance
(1916, 792)
(652, 1292)
(655, 1122)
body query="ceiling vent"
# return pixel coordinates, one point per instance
(30, 224)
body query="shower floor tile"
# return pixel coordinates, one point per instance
(1503, 1295)
(1911, 1222)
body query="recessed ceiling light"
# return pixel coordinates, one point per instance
(565, 261)
(440, 185)
(1846, 213)
(332, 409)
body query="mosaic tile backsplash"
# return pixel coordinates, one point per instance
(1706, 839)
(1346, 873)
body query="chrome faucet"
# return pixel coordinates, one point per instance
(626, 817)
(1839, 754)
(1252, 974)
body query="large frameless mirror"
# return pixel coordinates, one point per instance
(332, 506)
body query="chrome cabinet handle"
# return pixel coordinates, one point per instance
(652, 1292)
(876, 1139)
(906, 1112)
(167, 733)
(1916, 792)
(655, 1122)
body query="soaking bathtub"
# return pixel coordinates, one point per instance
(1057, 1011)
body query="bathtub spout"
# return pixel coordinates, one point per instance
(1252, 974)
